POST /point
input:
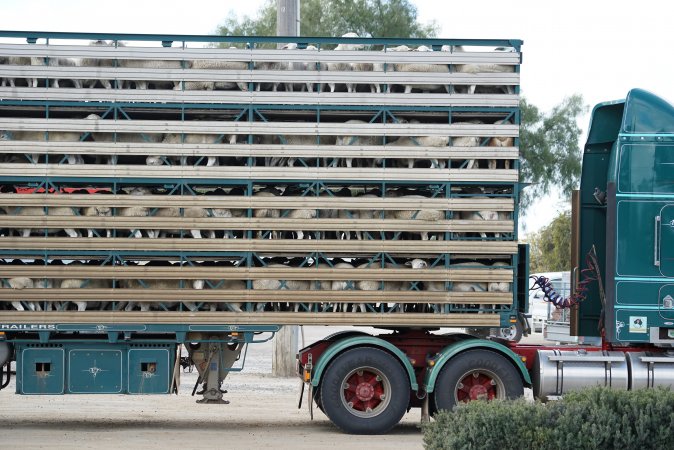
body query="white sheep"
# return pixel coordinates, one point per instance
(98, 62)
(482, 68)
(41, 136)
(219, 66)
(225, 285)
(97, 211)
(20, 283)
(40, 211)
(275, 285)
(260, 213)
(479, 215)
(191, 213)
(137, 211)
(422, 67)
(421, 141)
(428, 215)
(139, 285)
(73, 283)
(150, 64)
(177, 138)
(500, 141)
(374, 285)
(354, 140)
(343, 66)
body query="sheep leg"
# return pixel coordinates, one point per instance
(71, 233)
(196, 234)
(332, 87)
(18, 306)
(408, 89)
(81, 306)
(25, 232)
(212, 161)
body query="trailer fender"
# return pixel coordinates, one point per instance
(361, 341)
(447, 353)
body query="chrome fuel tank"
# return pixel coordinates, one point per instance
(648, 370)
(557, 372)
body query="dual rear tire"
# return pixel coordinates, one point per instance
(365, 391)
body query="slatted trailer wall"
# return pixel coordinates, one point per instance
(253, 193)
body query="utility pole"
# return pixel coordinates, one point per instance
(286, 340)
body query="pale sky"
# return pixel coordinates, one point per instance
(598, 48)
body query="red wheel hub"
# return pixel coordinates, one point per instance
(476, 386)
(364, 390)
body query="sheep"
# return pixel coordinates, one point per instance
(137, 211)
(344, 66)
(159, 284)
(150, 64)
(219, 66)
(20, 283)
(191, 139)
(354, 140)
(299, 214)
(373, 285)
(40, 211)
(42, 136)
(275, 285)
(425, 67)
(123, 137)
(421, 141)
(73, 283)
(226, 285)
(97, 211)
(192, 213)
(227, 213)
(96, 62)
(309, 66)
(501, 286)
(259, 213)
(501, 142)
(342, 285)
(483, 68)
(429, 215)
(457, 286)
(478, 215)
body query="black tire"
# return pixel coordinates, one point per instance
(491, 375)
(383, 396)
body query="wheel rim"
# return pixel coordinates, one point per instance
(479, 385)
(509, 332)
(366, 392)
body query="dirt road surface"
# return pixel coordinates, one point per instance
(262, 413)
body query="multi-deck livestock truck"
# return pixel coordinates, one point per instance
(167, 191)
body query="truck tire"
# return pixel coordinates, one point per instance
(476, 374)
(365, 391)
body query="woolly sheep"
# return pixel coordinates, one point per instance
(158, 284)
(216, 65)
(424, 67)
(73, 283)
(137, 211)
(39, 211)
(483, 68)
(98, 62)
(41, 136)
(343, 66)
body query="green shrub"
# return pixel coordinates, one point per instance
(595, 418)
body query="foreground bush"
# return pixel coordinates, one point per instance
(596, 418)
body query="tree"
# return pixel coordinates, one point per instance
(367, 18)
(551, 246)
(549, 148)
